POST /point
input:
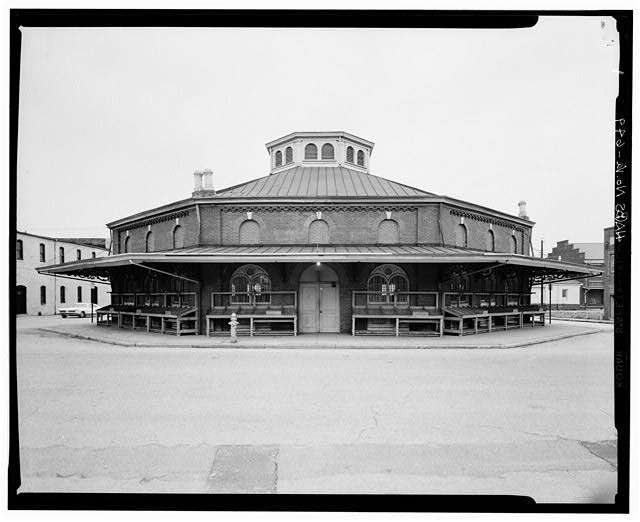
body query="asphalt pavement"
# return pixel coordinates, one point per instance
(536, 421)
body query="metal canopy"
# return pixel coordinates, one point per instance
(540, 269)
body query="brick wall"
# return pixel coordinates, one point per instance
(162, 234)
(477, 230)
(291, 226)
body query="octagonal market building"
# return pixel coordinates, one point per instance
(320, 245)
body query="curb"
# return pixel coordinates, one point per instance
(579, 320)
(242, 346)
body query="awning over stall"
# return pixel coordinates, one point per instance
(540, 269)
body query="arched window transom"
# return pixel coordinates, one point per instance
(250, 283)
(388, 284)
(310, 152)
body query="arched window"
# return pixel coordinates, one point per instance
(249, 232)
(319, 232)
(93, 254)
(43, 295)
(490, 241)
(42, 253)
(310, 152)
(61, 254)
(79, 294)
(178, 237)
(288, 155)
(387, 282)
(148, 246)
(78, 255)
(19, 250)
(350, 154)
(250, 282)
(63, 294)
(278, 158)
(514, 245)
(127, 245)
(361, 158)
(461, 236)
(327, 151)
(388, 232)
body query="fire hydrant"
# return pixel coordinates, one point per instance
(234, 325)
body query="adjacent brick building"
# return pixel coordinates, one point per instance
(321, 245)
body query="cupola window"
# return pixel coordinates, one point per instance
(350, 154)
(278, 159)
(327, 151)
(361, 158)
(288, 153)
(310, 152)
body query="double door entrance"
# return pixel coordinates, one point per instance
(319, 301)
(319, 308)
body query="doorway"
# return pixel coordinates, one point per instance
(21, 299)
(319, 300)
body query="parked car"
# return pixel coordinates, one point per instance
(78, 310)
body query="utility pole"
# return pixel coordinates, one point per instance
(542, 278)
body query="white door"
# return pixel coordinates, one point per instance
(319, 310)
(309, 316)
(329, 317)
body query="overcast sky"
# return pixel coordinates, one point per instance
(115, 121)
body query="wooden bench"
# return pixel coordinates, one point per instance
(178, 321)
(395, 324)
(252, 320)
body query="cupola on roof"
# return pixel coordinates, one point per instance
(320, 149)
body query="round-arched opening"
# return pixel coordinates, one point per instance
(319, 273)
(319, 300)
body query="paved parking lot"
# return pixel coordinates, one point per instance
(534, 421)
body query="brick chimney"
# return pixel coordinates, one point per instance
(203, 184)
(522, 210)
